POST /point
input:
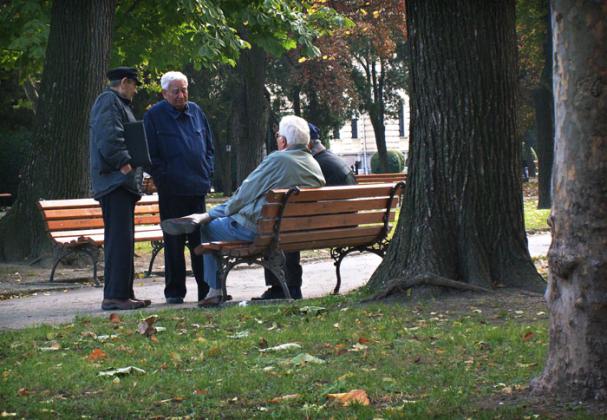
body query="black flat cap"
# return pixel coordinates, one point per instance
(120, 72)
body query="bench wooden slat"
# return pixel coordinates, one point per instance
(89, 212)
(327, 207)
(288, 224)
(86, 202)
(319, 235)
(332, 193)
(82, 232)
(72, 224)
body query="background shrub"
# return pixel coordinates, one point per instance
(396, 162)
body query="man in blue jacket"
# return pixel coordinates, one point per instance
(181, 148)
(115, 184)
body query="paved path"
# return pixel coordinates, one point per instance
(62, 306)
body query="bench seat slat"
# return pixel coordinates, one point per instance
(86, 202)
(318, 235)
(82, 232)
(72, 224)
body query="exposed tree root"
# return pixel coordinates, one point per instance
(425, 279)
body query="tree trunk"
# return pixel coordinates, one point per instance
(544, 111)
(577, 284)
(75, 65)
(379, 129)
(251, 105)
(462, 217)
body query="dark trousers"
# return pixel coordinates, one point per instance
(118, 208)
(292, 270)
(172, 206)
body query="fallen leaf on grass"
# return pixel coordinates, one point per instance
(200, 392)
(121, 371)
(115, 318)
(7, 414)
(356, 396)
(281, 347)
(528, 336)
(263, 343)
(174, 399)
(359, 347)
(96, 354)
(303, 358)
(312, 310)
(146, 327)
(239, 334)
(53, 346)
(23, 392)
(363, 340)
(282, 398)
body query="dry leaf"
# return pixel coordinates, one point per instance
(286, 346)
(528, 336)
(96, 354)
(356, 396)
(53, 346)
(146, 327)
(115, 318)
(362, 340)
(200, 392)
(284, 398)
(23, 392)
(263, 343)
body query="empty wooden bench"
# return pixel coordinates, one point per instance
(76, 225)
(388, 177)
(344, 219)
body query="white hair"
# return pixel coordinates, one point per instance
(295, 129)
(171, 76)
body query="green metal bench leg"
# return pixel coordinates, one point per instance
(157, 246)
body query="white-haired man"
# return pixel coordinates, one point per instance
(236, 219)
(181, 148)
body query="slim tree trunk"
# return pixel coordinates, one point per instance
(251, 105)
(544, 111)
(577, 284)
(461, 223)
(76, 61)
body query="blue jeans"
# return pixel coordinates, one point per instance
(221, 229)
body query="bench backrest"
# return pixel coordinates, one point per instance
(373, 178)
(328, 217)
(82, 217)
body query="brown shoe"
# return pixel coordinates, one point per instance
(121, 304)
(211, 302)
(146, 302)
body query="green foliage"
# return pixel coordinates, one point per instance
(417, 361)
(13, 151)
(24, 28)
(396, 162)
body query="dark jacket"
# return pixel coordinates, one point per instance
(107, 149)
(181, 148)
(334, 168)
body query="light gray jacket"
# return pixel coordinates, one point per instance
(291, 167)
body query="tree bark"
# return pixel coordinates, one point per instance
(251, 123)
(544, 111)
(577, 284)
(76, 61)
(462, 216)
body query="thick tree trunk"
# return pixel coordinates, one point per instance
(577, 285)
(75, 65)
(544, 111)
(462, 217)
(379, 129)
(252, 121)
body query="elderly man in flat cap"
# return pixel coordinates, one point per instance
(115, 184)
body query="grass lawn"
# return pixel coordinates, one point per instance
(446, 359)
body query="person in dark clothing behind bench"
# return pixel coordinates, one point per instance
(115, 184)
(181, 148)
(336, 172)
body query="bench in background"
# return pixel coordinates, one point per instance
(389, 177)
(76, 225)
(344, 218)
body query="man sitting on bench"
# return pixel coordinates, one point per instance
(236, 219)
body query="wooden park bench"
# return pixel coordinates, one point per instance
(76, 225)
(388, 177)
(344, 219)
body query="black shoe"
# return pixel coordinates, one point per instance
(174, 300)
(274, 292)
(295, 292)
(121, 304)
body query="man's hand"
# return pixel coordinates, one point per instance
(125, 169)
